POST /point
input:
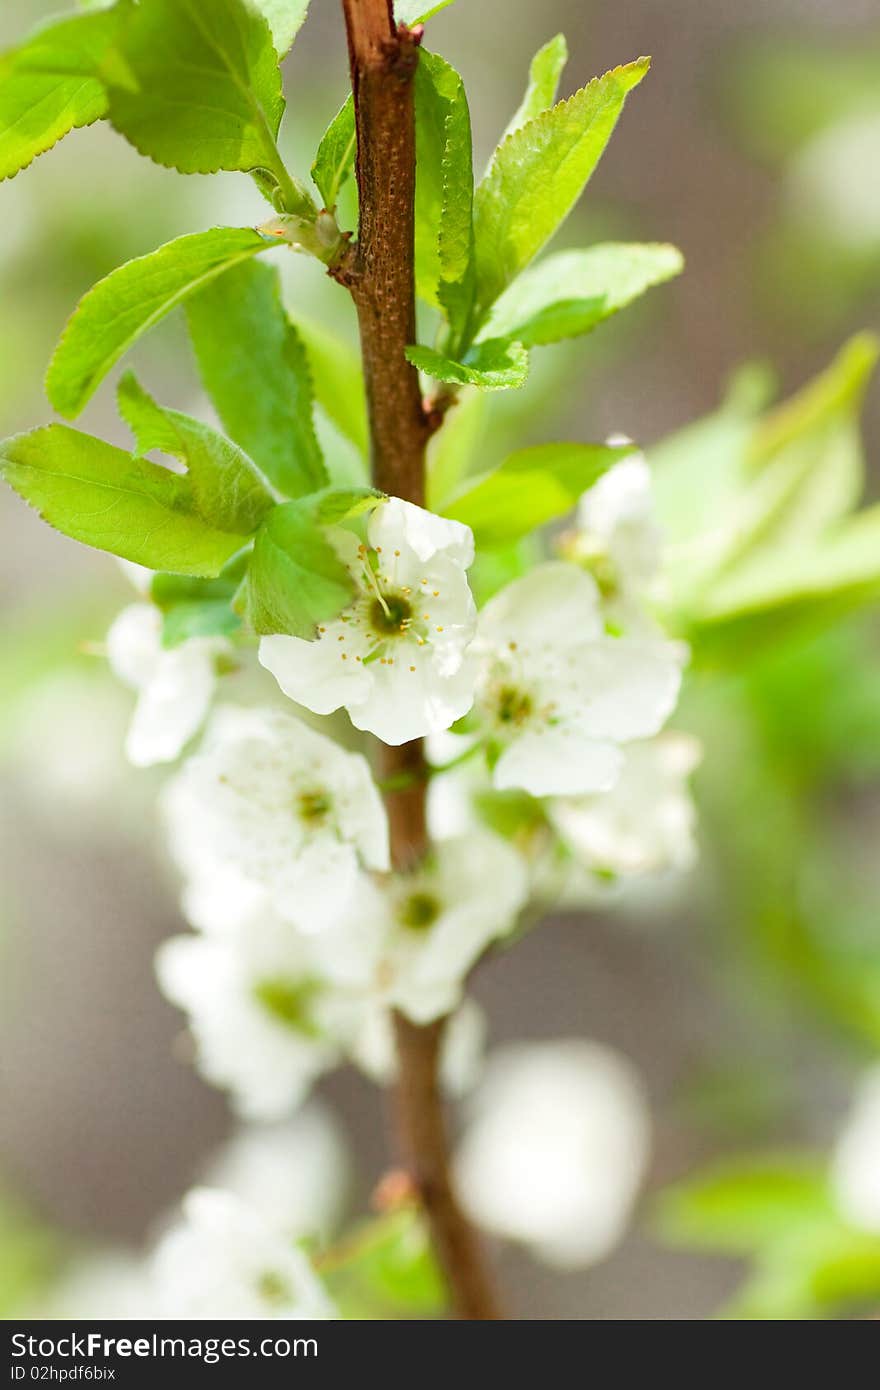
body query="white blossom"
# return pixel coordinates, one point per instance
(556, 1149)
(418, 935)
(645, 824)
(396, 658)
(619, 537)
(255, 1011)
(557, 694)
(224, 1260)
(277, 806)
(855, 1168)
(296, 1173)
(175, 685)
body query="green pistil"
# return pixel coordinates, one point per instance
(289, 1002)
(390, 615)
(514, 706)
(273, 1287)
(313, 806)
(419, 911)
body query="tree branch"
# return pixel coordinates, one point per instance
(379, 270)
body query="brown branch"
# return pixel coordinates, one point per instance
(379, 270)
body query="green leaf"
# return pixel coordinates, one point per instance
(132, 299)
(444, 232)
(50, 84)
(530, 488)
(571, 292)
(544, 74)
(254, 368)
(386, 1267)
(493, 366)
(229, 489)
(798, 473)
(334, 161)
(417, 12)
(103, 497)
(338, 380)
(201, 91)
(337, 504)
(537, 174)
(295, 579)
(285, 19)
(197, 607)
(743, 1204)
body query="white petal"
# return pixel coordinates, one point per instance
(396, 523)
(558, 761)
(404, 704)
(314, 673)
(173, 704)
(554, 605)
(628, 688)
(134, 644)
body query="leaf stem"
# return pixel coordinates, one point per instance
(379, 271)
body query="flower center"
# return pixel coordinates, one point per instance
(289, 1002)
(313, 806)
(273, 1287)
(419, 910)
(390, 615)
(513, 706)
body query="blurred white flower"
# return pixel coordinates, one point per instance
(557, 694)
(556, 1149)
(645, 824)
(396, 659)
(827, 185)
(284, 808)
(618, 534)
(441, 918)
(254, 1009)
(225, 1260)
(855, 1166)
(175, 684)
(108, 1285)
(295, 1174)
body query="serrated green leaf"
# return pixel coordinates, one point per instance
(743, 1204)
(103, 497)
(295, 579)
(537, 174)
(571, 292)
(530, 488)
(200, 90)
(444, 233)
(334, 161)
(285, 19)
(254, 368)
(544, 74)
(338, 380)
(132, 299)
(343, 503)
(492, 366)
(417, 12)
(229, 489)
(51, 84)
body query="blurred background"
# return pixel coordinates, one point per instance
(749, 996)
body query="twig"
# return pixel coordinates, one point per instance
(379, 270)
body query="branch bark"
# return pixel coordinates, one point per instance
(379, 271)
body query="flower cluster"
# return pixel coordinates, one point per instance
(304, 939)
